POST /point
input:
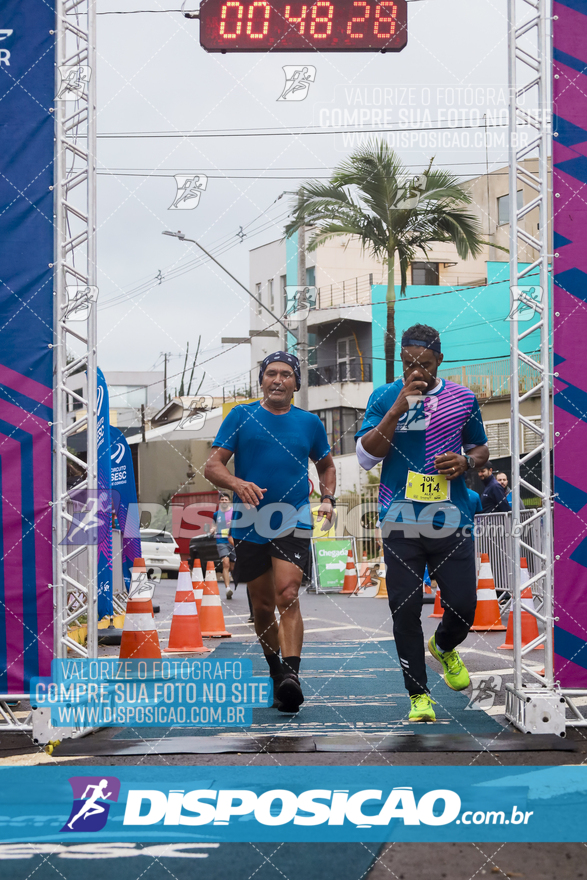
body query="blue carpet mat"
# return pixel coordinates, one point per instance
(238, 861)
(350, 688)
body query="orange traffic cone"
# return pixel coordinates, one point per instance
(139, 640)
(381, 574)
(365, 574)
(212, 617)
(487, 616)
(350, 576)
(529, 622)
(185, 636)
(438, 610)
(198, 583)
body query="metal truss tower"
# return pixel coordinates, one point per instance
(75, 586)
(533, 702)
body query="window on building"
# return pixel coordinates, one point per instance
(425, 273)
(76, 404)
(498, 438)
(341, 425)
(503, 207)
(259, 296)
(347, 360)
(131, 396)
(530, 440)
(311, 276)
(271, 295)
(283, 288)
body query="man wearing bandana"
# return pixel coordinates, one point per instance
(427, 432)
(272, 441)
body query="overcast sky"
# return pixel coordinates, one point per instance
(153, 76)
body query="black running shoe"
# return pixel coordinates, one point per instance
(288, 693)
(277, 679)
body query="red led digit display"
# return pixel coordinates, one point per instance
(297, 26)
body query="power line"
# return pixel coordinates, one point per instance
(268, 132)
(226, 244)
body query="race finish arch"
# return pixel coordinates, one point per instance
(340, 25)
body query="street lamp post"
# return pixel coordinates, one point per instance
(302, 346)
(182, 237)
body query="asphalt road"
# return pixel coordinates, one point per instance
(337, 618)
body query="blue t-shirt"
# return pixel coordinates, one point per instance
(448, 419)
(475, 502)
(272, 451)
(223, 519)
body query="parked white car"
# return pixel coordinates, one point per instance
(159, 548)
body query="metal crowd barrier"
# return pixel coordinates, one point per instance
(493, 535)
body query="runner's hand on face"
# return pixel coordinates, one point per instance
(413, 387)
(249, 493)
(451, 464)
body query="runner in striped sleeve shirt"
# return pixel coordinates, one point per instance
(427, 432)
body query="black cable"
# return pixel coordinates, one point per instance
(287, 132)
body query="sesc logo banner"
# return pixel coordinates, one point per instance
(92, 796)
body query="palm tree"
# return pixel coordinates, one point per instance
(366, 198)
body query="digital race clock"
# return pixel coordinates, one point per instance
(323, 26)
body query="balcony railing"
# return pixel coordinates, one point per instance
(491, 379)
(353, 290)
(342, 372)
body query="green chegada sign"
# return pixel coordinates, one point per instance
(331, 558)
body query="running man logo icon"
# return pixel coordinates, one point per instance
(73, 80)
(485, 690)
(189, 191)
(526, 301)
(297, 82)
(90, 802)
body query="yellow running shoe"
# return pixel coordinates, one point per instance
(455, 671)
(422, 708)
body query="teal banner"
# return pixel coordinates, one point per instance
(304, 804)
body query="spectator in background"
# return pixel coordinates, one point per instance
(474, 503)
(493, 499)
(224, 542)
(502, 479)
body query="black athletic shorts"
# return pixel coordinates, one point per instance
(253, 560)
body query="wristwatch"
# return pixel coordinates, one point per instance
(470, 462)
(331, 498)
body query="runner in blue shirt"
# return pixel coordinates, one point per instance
(271, 442)
(419, 426)
(224, 542)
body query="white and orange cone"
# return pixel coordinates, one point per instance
(139, 640)
(212, 616)
(350, 576)
(382, 575)
(198, 583)
(487, 616)
(364, 573)
(438, 610)
(185, 636)
(529, 622)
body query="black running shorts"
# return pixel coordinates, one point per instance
(253, 560)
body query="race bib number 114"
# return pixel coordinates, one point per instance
(427, 487)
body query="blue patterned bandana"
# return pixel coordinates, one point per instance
(421, 343)
(285, 358)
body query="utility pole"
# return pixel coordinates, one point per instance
(302, 346)
(165, 356)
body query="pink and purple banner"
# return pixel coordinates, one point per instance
(569, 334)
(26, 327)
